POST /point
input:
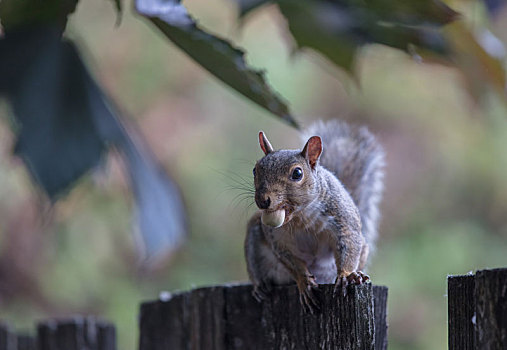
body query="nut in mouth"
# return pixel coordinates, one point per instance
(277, 217)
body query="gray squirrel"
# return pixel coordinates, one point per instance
(318, 212)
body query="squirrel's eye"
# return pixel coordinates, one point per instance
(253, 171)
(297, 174)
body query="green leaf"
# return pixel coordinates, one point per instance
(412, 13)
(422, 12)
(323, 28)
(21, 13)
(64, 123)
(338, 28)
(216, 55)
(55, 132)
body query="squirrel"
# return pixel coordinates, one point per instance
(318, 212)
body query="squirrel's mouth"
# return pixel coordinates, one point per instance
(277, 217)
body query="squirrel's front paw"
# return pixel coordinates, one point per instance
(343, 281)
(307, 295)
(262, 290)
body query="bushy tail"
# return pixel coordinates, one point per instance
(354, 156)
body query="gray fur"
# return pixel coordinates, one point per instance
(355, 157)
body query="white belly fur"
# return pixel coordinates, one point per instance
(317, 252)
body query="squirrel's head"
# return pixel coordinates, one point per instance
(285, 179)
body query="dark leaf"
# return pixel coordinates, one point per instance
(411, 13)
(481, 70)
(64, 123)
(216, 55)
(326, 28)
(338, 28)
(20, 14)
(159, 210)
(56, 135)
(160, 213)
(422, 12)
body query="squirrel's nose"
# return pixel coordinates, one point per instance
(263, 202)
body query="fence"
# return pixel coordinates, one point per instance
(478, 310)
(78, 333)
(227, 317)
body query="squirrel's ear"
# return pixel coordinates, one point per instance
(312, 150)
(265, 145)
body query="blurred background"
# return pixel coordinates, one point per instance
(444, 209)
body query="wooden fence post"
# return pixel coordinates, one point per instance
(25, 342)
(477, 307)
(380, 314)
(79, 333)
(227, 317)
(7, 338)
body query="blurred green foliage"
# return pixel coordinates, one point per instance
(445, 198)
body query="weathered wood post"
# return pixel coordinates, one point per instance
(26, 342)
(78, 333)
(227, 317)
(7, 338)
(477, 309)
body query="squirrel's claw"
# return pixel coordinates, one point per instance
(356, 277)
(259, 295)
(261, 291)
(308, 298)
(341, 285)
